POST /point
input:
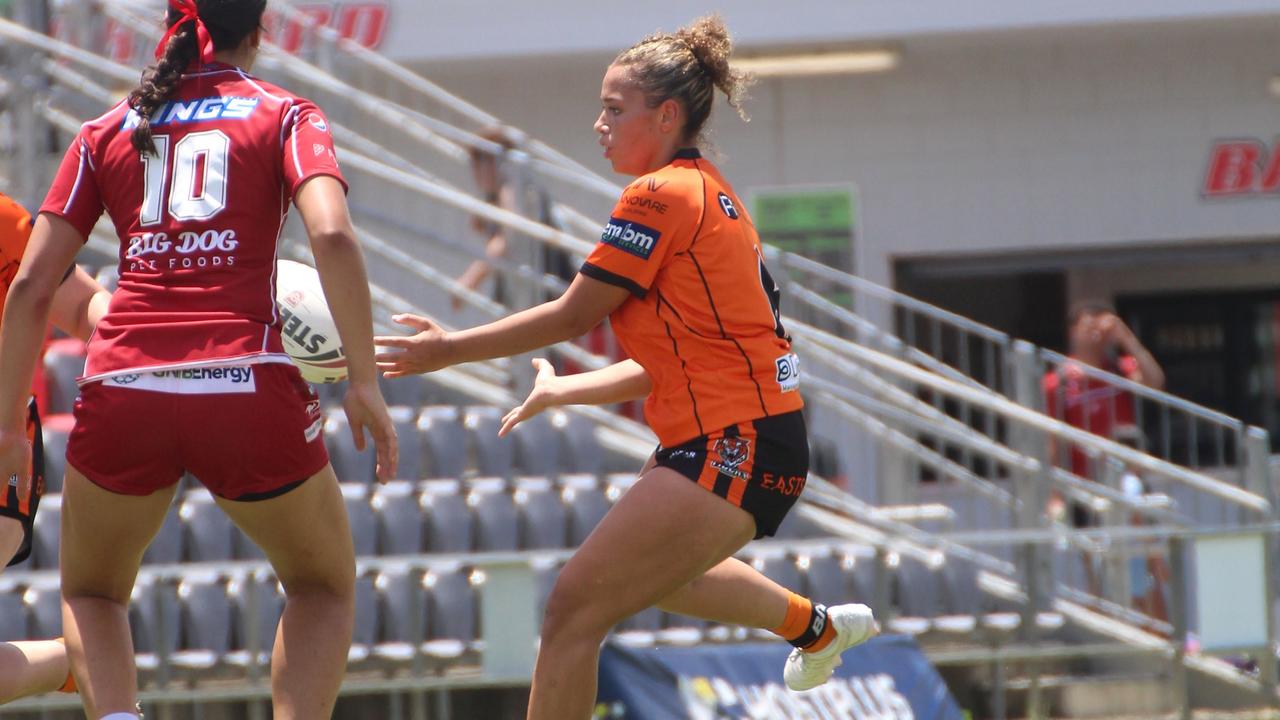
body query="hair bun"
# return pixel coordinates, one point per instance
(709, 40)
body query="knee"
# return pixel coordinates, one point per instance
(336, 583)
(573, 614)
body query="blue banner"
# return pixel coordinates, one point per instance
(887, 678)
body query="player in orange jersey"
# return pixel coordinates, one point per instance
(38, 666)
(680, 274)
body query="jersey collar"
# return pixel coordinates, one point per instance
(687, 154)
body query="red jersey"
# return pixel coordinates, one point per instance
(1089, 403)
(198, 221)
(703, 317)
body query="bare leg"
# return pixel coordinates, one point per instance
(306, 537)
(103, 537)
(663, 533)
(731, 593)
(31, 668)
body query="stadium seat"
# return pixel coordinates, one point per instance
(167, 545)
(400, 514)
(777, 565)
(411, 462)
(409, 390)
(154, 612)
(545, 572)
(452, 604)
(349, 464)
(495, 456)
(63, 363)
(364, 524)
(919, 587)
(403, 607)
(44, 605)
(647, 620)
(206, 621)
(450, 526)
(497, 522)
(537, 445)
(445, 441)
(46, 531)
(13, 613)
(584, 452)
(587, 503)
(365, 631)
(261, 614)
(826, 577)
(55, 431)
(544, 518)
(209, 530)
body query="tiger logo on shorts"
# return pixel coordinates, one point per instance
(733, 452)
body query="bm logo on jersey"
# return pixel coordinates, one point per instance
(630, 237)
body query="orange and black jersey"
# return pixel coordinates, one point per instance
(703, 317)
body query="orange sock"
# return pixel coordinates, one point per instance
(805, 625)
(70, 685)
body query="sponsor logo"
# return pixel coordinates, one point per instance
(840, 698)
(630, 237)
(1242, 168)
(733, 452)
(653, 185)
(293, 298)
(636, 202)
(192, 247)
(788, 372)
(192, 381)
(318, 149)
(124, 379)
(789, 485)
(726, 204)
(178, 112)
(318, 123)
(301, 333)
(313, 431)
(819, 622)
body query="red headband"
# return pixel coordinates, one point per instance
(189, 12)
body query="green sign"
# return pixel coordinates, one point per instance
(816, 222)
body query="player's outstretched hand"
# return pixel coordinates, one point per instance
(412, 354)
(543, 395)
(367, 411)
(15, 460)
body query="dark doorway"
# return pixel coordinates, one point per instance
(1027, 305)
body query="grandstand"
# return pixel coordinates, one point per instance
(931, 440)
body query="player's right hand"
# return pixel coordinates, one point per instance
(15, 459)
(413, 354)
(367, 411)
(542, 396)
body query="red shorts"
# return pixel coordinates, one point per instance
(247, 433)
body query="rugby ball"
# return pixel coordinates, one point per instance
(306, 326)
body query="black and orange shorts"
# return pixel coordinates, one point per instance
(22, 507)
(759, 466)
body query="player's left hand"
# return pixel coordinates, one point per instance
(422, 352)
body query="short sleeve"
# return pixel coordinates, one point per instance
(308, 146)
(74, 195)
(655, 219)
(15, 231)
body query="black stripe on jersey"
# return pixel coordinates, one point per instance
(675, 348)
(662, 300)
(724, 335)
(596, 272)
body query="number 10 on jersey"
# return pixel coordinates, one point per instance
(196, 188)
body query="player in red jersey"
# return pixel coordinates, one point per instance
(680, 273)
(186, 372)
(37, 666)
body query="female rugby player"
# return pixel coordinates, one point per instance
(680, 274)
(196, 169)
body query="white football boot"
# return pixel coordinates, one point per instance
(854, 625)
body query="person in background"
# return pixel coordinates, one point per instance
(1097, 338)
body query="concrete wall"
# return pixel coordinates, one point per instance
(1029, 141)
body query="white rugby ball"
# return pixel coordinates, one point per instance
(306, 325)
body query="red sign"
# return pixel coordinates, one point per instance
(1242, 168)
(363, 22)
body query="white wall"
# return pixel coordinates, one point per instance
(1030, 140)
